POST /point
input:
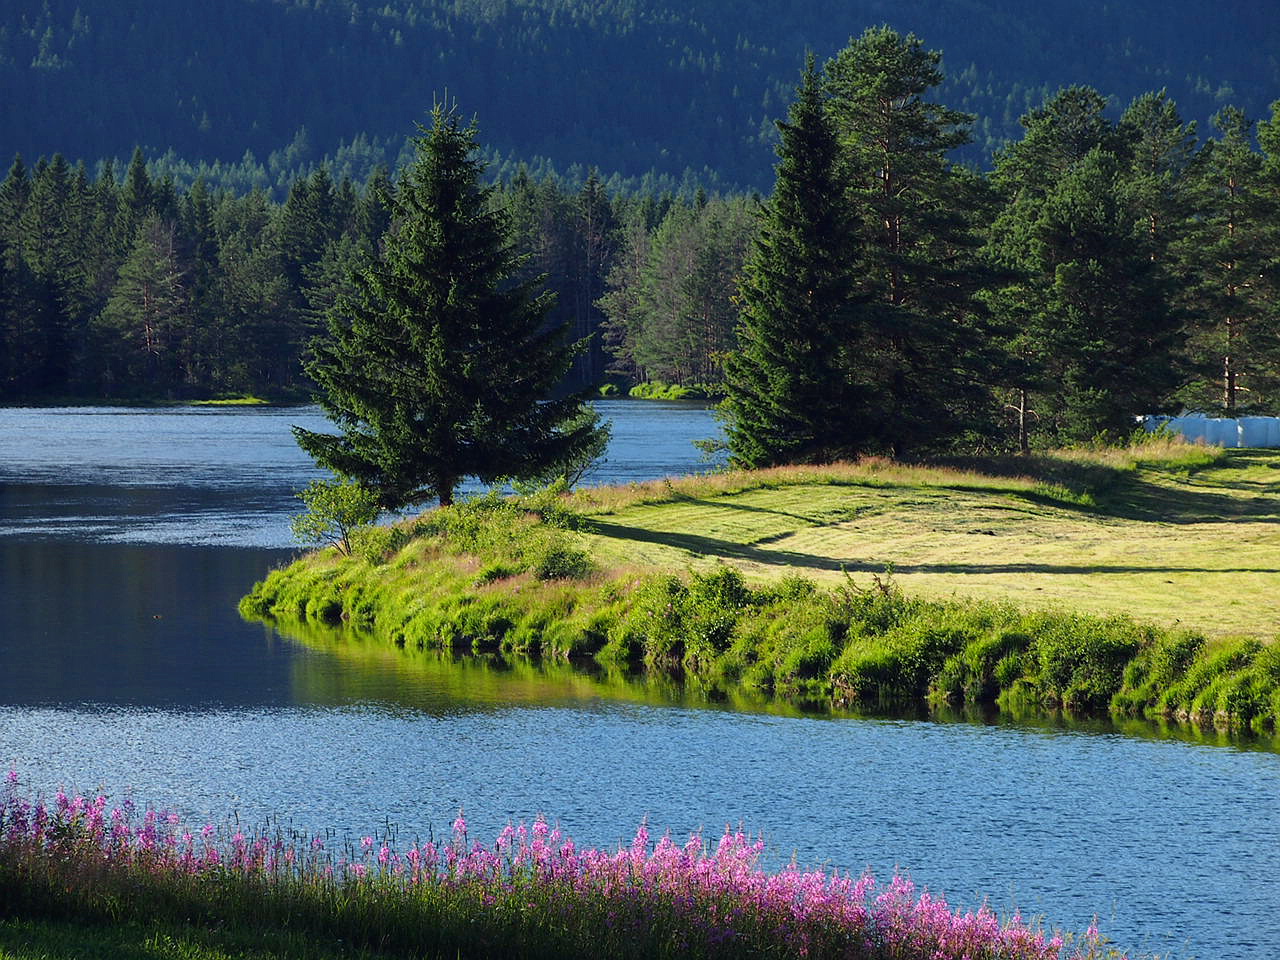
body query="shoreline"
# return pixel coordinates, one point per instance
(540, 577)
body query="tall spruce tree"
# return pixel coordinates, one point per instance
(788, 398)
(441, 366)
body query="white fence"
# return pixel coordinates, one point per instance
(1221, 431)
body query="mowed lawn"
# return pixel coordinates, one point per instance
(1200, 547)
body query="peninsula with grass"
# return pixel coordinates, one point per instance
(1130, 580)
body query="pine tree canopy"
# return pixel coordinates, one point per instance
(441, 364)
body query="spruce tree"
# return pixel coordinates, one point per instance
(788, 399)
(441, 365)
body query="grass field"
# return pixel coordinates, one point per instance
(1168, 542)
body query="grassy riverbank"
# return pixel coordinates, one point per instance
(1132, 580)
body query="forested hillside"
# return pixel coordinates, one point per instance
(625, 85)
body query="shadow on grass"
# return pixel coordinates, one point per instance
(1196, 498)
(759, 552)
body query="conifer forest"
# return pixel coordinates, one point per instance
(1017, 249)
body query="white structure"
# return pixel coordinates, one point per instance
(1220, 431)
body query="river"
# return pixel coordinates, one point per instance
(127, 535)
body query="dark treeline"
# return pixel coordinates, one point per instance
(130, 287)
(1107, 266)
(627, 85)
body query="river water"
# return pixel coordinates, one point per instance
(126, 537)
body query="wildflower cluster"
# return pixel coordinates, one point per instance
(532, 892)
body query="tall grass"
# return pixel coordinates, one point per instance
(531, 893)
(855, 646)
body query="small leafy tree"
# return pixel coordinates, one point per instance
(335, 509)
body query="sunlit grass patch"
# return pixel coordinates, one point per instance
(240, 401)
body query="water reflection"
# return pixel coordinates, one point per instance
(438, 683)
(135, 624)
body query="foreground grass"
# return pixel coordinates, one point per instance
(44, 939)
(1011, 584)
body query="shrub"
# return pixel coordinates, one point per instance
(376, 545)
(335, 508)
(560, 561)
(1079, 661)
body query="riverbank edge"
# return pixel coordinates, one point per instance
(509, 576)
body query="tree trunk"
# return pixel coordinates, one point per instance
(1024, 443)
(1229, 373)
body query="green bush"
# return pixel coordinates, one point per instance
(660, 390)
(986, 665)
(376, 545)
(1151, 674)
(1079, 662)
(560, 561)
(497, 570)
(335, 510)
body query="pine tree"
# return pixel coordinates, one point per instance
(441, 366)
(15, 191)
(138, 195)
(1116, 330)
(148, 317)
(597, 243)
(916, 256)
(788, 396)
(1230, 252)
(1161, 148)
(1093, 334)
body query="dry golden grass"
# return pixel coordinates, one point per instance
(1177, 535)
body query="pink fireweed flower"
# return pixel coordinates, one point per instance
(716, 900)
